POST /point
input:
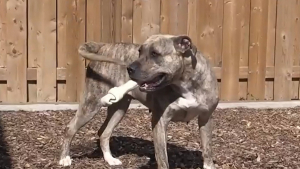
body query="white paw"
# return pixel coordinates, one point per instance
(65, 161)
(113, 161)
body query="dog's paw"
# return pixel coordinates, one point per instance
(65, 161)
(113, 161)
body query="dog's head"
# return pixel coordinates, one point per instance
(160, 61)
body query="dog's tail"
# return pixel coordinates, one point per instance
(90, 51)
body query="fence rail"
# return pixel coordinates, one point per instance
(254, 45)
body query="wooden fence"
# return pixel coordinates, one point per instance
(254, 45)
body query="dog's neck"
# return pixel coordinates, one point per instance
(194, 70)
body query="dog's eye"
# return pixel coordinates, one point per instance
(153, 53)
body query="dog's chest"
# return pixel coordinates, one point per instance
(188, 99)
(186, 110)
(186, 106)
(187, 103)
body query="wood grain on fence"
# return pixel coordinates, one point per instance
(127, 21)
(3, 85)
(284, 50)
(16, 48)
(34, 44)
(146, 19)
(209, 29)
(257, 49)
(174, 17)
(253, 45)
(192, 29)
(269, 83)
(231, 50)
(295, 46)
(244, 44)
(42, 49)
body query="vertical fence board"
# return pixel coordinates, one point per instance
(244, 18)
(94, 21)
(164, 16)
(35, 26)
(137, 20)
(146, 19)
(284, 50)
(17, 51)
(209, 27)
(107, 21)
(72, 24)
(127, 21)
(296, 46)
(42, 48)
(46, 70)
(117, 6)
(3, 86)
(231, 50)
(93, 18)
(257, 49)
(3, 33)
(79, 67)
(269, 84)
(192, 30)
(34, 40)
(61, 47)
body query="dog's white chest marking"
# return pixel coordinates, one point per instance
(187, 103)
(188, 100)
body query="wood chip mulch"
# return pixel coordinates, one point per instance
(242, 138)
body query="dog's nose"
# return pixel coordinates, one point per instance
(130, 70)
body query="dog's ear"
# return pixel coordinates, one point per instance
(182, 43)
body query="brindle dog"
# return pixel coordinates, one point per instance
(175, 81)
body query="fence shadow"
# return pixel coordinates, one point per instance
(5, 159)
(179, 157)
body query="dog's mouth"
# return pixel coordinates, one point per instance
(154, 84)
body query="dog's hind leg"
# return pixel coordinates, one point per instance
(206, 127)
(115, 113)
(88, 107)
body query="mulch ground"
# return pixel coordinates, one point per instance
(242, 138)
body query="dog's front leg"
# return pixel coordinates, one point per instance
(206, 128)
(159, 128)
(162, 114)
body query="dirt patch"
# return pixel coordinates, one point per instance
(242, 138)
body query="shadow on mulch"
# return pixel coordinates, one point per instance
(5, 160)
(179, 157)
